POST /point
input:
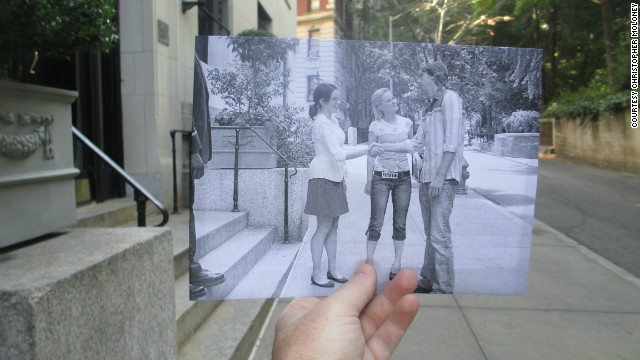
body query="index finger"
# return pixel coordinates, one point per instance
(379, 309)
(353, 296)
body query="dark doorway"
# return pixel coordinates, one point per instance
(97, 113)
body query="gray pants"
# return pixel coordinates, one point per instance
(438, 270)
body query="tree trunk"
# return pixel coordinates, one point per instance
(607, 21)
(553, 23)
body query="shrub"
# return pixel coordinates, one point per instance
(588, 103)
(523, 121)
(292, 134)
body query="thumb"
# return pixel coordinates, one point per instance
(352, 297)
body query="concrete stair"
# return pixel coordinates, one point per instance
(110, 213)
(214, 329)
(236, 257)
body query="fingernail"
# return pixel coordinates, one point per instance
(361, 270)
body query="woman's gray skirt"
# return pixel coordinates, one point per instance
(326, 198)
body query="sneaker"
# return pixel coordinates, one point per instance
(422, 290)
(206, 278)
(196, 292)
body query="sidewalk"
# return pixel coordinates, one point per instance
(491, 246)
(577, 305)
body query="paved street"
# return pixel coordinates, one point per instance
(598, 208)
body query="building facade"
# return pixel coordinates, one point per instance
(319, 22)
(156, 53)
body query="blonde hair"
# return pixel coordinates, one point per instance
(376, 101)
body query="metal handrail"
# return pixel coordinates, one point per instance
(172, 133)
(277, 152)
(140, 194)
(236, 167)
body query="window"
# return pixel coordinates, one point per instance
(264, 20)
(314, 43)
(313, 5)
(212, 18)
(312, 82)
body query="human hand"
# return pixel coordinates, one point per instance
(367, 188)
(436, 185)
(197, 166)
(375, 150)
(351, 323)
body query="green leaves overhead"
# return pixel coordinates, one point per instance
(55, 28)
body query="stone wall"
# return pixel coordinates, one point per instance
(517, 145)
(260, 193)
(609, 142)
(546, 132)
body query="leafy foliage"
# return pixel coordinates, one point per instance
(53, 28)
(523, 122)
(571, 34)
(292, 134)
(587, 105)
(493, 82)
(258, 76)
(246, 88)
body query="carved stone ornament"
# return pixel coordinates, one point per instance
(20, 146)
(248, 140)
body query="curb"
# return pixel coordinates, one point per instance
(590, 254)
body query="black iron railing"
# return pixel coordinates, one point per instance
(173, 153)
(140, 194)
(236, 171)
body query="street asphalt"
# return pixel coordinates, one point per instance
(597, 207)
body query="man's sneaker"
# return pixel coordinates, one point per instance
(196, 292)
(422, 290)
(205, 278)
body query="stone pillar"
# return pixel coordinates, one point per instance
(102, 293)
(352, 136)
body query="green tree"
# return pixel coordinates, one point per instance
(53, 28)
(579, 39)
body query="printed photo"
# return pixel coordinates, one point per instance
(310, 157)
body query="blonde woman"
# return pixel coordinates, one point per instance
(388, 173)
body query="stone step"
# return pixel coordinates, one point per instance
(236, 257)
(268, 276)
(230, 332)
(189, 314)
(110, 213)
(213, 228)
(179, 225)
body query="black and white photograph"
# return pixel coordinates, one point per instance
(310, 157)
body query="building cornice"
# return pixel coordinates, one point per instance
(316, 16)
